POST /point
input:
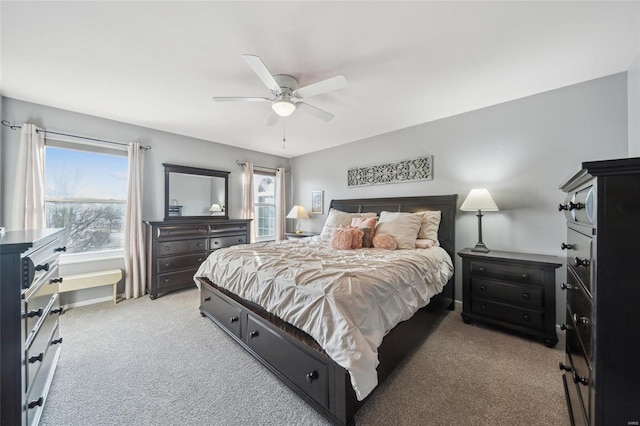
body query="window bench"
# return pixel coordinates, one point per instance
(92, 279)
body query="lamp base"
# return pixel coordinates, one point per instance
(480, 247)
(298, 231)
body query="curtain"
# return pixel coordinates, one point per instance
(133, 234)
(28, 197)
(281, 203)
(247, 199)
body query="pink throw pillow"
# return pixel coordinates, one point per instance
(364, 222)
(384, 241)
(342, 238)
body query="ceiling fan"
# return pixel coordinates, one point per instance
(287, 96)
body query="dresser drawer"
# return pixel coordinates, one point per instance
(530, 296)
(579, 256)
(308, 373)
(171, 248)
(580, 374)
(37, 307)
(232, 240)
(40, 385)
(175, 279)
(46, 338)
(222, 228)
(173, 263)
(513, 314)
(227, 315)
(501, 271)
(580, 313)
(39, 263)
(181, 231)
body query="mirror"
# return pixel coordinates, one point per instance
(195, 193)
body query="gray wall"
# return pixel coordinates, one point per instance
(165, 148)
(520, 150)
(633, 96)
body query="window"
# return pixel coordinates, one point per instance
(86, 193)
(264, 200)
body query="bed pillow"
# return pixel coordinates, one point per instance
(424, 243)
(368, 225)
(384, 241)
(430, 225)
(342, 238)
(402, 227)
(367, 237)
(357, 240)
(336, 218)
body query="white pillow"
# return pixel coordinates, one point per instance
(403, 227)
(430, 225)
(337, 218)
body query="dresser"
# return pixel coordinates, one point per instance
(512, 290)
(175, 249)
(29, 314)
(601, 369)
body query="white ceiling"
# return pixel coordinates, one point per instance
(157, 64)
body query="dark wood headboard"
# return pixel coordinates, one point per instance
(447, 204)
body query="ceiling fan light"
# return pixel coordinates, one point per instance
(283, 107)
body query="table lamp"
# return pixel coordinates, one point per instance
(215, 209)
(298, 212)
(479, 199)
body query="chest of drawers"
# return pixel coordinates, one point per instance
(601, 368)
(175, 249)
(512, 290)
(29, 329)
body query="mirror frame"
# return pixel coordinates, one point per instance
(174, 168)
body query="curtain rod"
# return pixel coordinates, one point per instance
(260, 167)
(15, 127)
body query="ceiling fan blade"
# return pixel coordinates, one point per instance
(262, 72)
(315, 111)
(333, 83)
(273, 119)
(219, 99)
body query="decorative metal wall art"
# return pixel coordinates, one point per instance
(401, 171)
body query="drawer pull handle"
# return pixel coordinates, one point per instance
(216, 242)
(57, 249)
(36, 358)
(525, 296)
(59, 310)
(55, 280)
(167, 264)
(200, 259)
(563, 327)
(234, 319)
(564, 286)
(577, 262)
(580, 320)
(167, 248)
(564, 246)
(564, 367)
(254, 334)
(525, 276)
(241, 240)
(199, 244)
(312, 376)
(576, 206)
(481, 269)
(56, 342)
(580, 379)
(34, 313)
(526, 317)
(202, 230)
(562, 207)
(483, 288)
(206, 299)
(483, 307)
(37, 403)
(44, 267)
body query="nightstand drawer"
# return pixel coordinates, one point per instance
(505, 272)
(512, 314)
(530, 296)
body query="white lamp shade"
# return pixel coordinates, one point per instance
(283, 107)
(297, 212)
(215, 208)
(479, 199)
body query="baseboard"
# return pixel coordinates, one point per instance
(89, 302)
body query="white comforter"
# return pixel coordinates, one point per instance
(347, 300)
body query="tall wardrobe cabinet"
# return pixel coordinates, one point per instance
(601, 369)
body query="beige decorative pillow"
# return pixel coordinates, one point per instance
(403, 227)
(384, 241)
(337, 218)
(430, 225)
(425, 243)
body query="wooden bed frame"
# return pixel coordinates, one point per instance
(299, 362)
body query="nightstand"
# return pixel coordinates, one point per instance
(294, 235)
(512, 290)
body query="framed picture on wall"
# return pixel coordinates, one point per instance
(317, 202)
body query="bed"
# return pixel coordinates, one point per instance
(308, 365)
